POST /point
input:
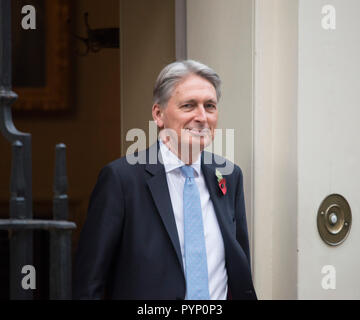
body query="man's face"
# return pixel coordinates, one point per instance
(191, 112)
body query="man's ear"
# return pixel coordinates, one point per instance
(157, 114)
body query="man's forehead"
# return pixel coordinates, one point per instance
(195, 87)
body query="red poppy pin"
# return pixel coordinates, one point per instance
(221, 181)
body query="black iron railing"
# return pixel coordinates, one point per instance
(21, 223)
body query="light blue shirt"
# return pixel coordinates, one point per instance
(215, 251)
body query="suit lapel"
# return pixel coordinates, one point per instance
(160, 192)
(218, 200)
(236, 259)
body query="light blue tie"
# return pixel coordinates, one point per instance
(196, 271)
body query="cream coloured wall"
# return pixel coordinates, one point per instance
(275, 149)
(219, 34)
(328, 147)
(306, 123)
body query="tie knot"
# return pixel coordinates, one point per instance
(187, 171)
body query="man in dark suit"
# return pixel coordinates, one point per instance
(173, 228)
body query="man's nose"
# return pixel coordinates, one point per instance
(200, 113)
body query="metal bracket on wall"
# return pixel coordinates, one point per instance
(334, 219)
(98, 39)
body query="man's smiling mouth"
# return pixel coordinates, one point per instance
(198, 132)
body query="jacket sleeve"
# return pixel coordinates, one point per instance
(240, 216)
(99, 236)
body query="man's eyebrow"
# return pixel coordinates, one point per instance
(188, 101)
(195, 101)
(212, 101)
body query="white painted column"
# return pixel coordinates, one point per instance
(275, 149)
(328, 142)
(306, 115)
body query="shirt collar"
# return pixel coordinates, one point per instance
(172, 162)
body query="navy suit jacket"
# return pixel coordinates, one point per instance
(129, 243)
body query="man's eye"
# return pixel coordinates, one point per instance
(210, 106)
(188, 105)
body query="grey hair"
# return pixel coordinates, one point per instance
(173, 73)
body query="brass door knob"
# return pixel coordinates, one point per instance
(334, 219)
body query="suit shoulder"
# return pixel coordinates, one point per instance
(117, 164)
(125, 165)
